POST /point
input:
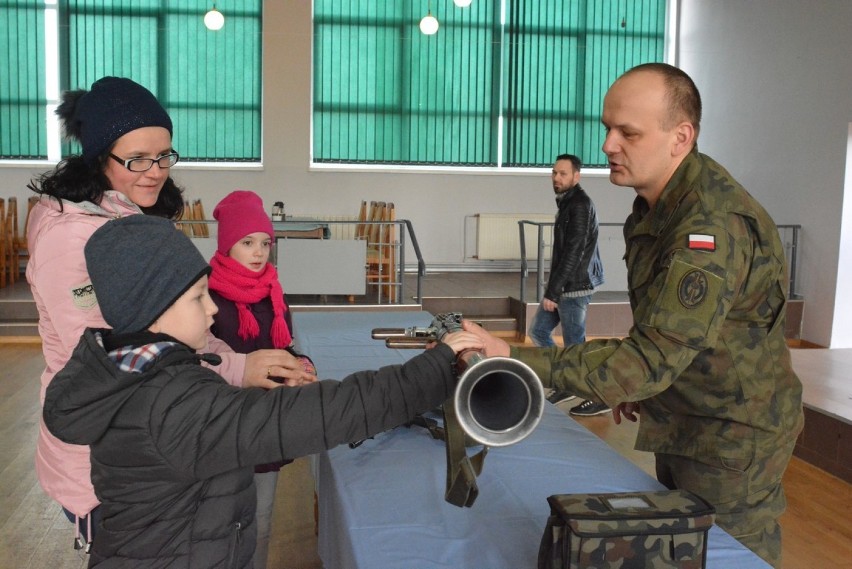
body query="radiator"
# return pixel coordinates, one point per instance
(498, 237)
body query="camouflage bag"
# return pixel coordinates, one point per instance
(631, 530)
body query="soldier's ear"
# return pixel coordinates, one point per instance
(684, 138)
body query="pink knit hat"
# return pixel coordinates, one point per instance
(239, 214)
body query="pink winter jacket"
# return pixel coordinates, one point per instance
(66, 303)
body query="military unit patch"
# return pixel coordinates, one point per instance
(702, 242)
(692, 289)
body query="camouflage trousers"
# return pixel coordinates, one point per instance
(747, 495)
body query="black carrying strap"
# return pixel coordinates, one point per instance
(462, 470)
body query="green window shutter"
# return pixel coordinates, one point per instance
(23, 99)
(214, 83)
(102, 38)
(385, 93)
(562, 57)
(209, 82)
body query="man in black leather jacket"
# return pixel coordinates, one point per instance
(575, 270)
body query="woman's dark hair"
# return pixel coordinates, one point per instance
(76, 181)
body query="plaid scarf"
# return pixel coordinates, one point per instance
(136, 359)
(243, 286)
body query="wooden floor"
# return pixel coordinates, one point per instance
(36, 535)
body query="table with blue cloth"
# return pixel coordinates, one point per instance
(381, 505)
(295, 228)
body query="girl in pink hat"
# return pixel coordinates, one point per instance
(253, 313)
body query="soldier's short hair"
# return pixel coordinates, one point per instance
(683, 95)
(575, 161)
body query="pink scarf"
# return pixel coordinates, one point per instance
(243, 286)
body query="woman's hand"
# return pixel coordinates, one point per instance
(262, 365)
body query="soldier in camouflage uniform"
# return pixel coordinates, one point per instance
(720, 404)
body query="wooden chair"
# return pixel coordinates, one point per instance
(374, 230)
(23, 249)
(361, 227)
(3, 254)
(390, 253)
(186, 215)
(199, 229)
(20, 247)
(381, 254)
(11, 237)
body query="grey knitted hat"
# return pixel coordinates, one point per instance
(139, 266)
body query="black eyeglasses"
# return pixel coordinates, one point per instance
(145, 164)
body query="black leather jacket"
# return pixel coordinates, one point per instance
(575, 264)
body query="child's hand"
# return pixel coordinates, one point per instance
(308, 366)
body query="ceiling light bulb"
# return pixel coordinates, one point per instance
(214, 20)
(462, 3)
(429, 25)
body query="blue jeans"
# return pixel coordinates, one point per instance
(571, 312)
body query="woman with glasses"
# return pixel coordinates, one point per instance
(124, 169)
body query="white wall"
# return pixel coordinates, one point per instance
(776, 82)
(841, 336)
(777, 86)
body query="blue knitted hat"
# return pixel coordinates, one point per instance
(113, 107)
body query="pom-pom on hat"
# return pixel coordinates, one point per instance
(240, 213)
(139, 266)
(113, 107)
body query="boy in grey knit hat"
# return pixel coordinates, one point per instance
(173, 446)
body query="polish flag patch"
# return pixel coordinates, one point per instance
(702, 242)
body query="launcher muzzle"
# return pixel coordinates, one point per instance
(497, 402)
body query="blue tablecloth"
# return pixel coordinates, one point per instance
(381, 505)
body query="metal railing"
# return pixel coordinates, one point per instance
(404, 228)
(791, 247)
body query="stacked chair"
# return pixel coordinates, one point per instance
(4, 245)
(382, 248)
(193, 213)
(13, 241)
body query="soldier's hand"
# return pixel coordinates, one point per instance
(492, 346)
(261, 365)
(460, 341)
(630, 411)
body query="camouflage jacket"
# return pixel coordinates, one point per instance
(706, 354)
